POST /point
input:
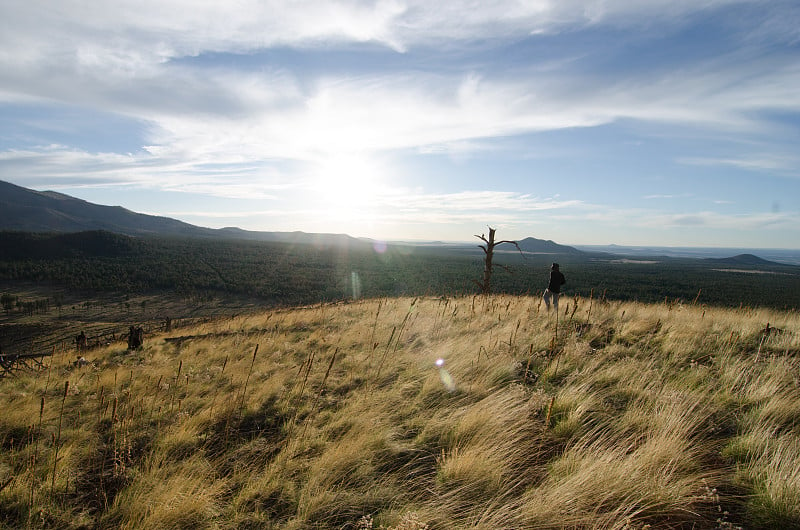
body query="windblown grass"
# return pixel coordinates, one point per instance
(625, 416)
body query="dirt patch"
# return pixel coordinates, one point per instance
(104, 318)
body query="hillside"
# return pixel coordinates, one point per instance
(20, 246)
(742, 259)
(26, 210)
(532, 244)
(417, 413)
(324, 269)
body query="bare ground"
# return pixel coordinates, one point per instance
(104, 317)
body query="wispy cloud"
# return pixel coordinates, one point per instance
(773, 163)
(57, 167)
(151, 31)
(667, 196)
(252, 117)
(253, 101)
(403, 206)
(742, 221)
(469, 202)
(122, 59)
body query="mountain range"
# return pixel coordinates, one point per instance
(26, 210)
(49, 212)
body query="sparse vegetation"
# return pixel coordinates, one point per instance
(338, 416)
(283, 274)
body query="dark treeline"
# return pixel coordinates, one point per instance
(287, 274)
(29, 307)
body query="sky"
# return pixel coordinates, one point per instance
(632, 122)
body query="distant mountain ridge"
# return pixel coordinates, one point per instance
(542, 246)
(742, 259)
(26, 210)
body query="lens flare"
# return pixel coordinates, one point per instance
(444, 375)
(355, 284)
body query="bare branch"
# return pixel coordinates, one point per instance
(512, 243)
(488, 249)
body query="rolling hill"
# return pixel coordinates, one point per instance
(742, 260)
(414, 414)
(531, 244)
(26, 210)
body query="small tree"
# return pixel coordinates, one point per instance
(8, 301)
(58, 299)
(488, 249)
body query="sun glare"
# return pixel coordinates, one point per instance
(347, 187)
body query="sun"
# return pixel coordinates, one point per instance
(347, 186)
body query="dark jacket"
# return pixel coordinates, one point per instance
(556, 281)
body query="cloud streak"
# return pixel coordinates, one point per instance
(122, 61)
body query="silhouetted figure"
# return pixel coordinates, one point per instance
(7, 362)
(135, 338)
(554, 287)
(80, 341)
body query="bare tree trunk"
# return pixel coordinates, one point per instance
(486, 285)
(488, 250)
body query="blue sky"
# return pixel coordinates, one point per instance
(635, 122)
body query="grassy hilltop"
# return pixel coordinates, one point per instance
(612, 415)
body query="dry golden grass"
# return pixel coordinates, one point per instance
(340, 416)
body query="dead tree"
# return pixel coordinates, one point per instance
(488, 249)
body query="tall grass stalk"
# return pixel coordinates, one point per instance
(247, 380)
(57, 444)
(321, 388)
(35, 459)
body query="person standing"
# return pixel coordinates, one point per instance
(554, 287)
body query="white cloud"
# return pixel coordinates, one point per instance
(395, 212)
(249, 129)
(61, 162)
(119, 58)
(57, 167)
(716, 220)
(772, 163)
(433, 111)
(667, 196)
(159, 30)
(468, 202)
